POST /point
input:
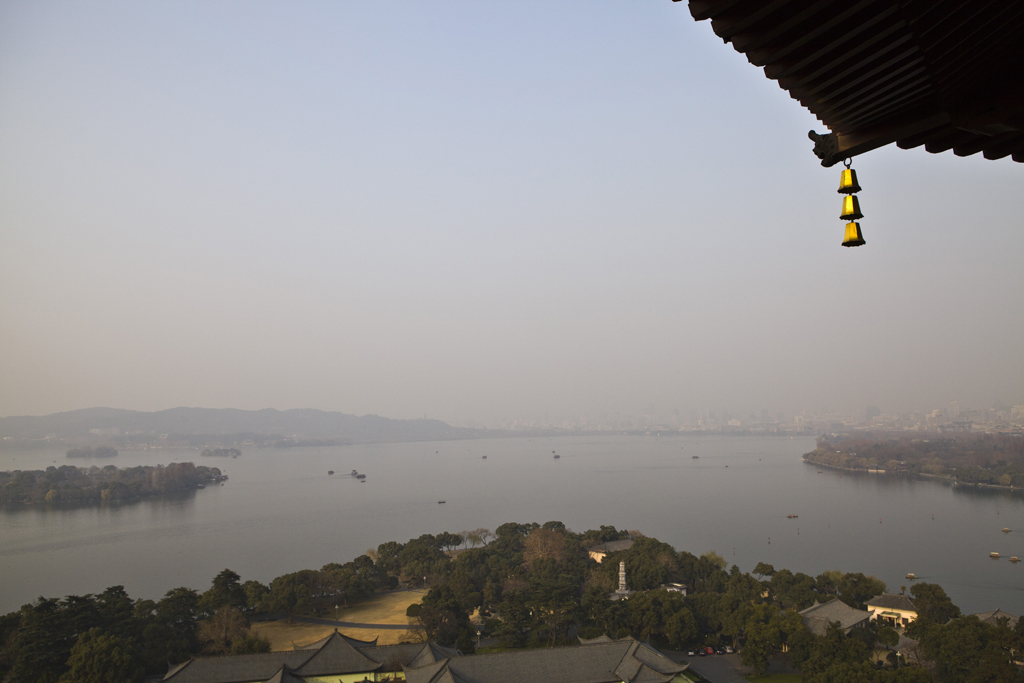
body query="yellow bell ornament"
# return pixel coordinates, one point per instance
(853, 237)
(848, 182)
(851, 208)
(849, 186)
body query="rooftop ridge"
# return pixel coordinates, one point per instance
(620, 641)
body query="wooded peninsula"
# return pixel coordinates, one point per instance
(70, 484)
(530, 586)
(988, 459)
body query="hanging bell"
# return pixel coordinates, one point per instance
(851, 208)
(853, 238)
(848, 182)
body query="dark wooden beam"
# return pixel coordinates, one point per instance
(957, 137)
(749, 41)
(705, 9)
(725, 27)
(873, 137)
(807, 46)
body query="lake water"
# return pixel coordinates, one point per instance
(281, 512)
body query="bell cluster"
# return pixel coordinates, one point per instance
(851, 208)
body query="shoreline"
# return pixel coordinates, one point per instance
(952, 481)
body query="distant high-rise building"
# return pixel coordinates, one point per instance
(953, 410)
(871, 412)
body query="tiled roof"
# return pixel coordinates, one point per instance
(591, 641)
(890, 601)
(818, 616)
(394, 657)
(611, 662)
(944, 74)
(237, 668)
(336, 656)
(994, 617)
(284, 676)
(354, 642)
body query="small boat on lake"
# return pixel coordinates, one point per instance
(1006, 530)
(912, 576)
(360, 476)
(1014, 559)
(556, 456)
(696, 457)
(994, 556)
(792, 516)
(485, 457)
(330, 471)
(354, 473)
(440, 502)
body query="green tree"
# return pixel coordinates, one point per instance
(218, 633)
(226, 590)
(968, 651)
(856, 589)
(251, 644)
(761, 641)
(442, 616)
(41, 646)
(660, 615)
(288, 595)
(170, 634)
(254, 592)
(932, 603)
(98, 657)
(387, 557)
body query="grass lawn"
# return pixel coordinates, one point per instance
(776, 678)
(285, 636)
(379, 608)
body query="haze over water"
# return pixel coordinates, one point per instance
(281, 512)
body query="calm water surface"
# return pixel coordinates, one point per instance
(281, 512)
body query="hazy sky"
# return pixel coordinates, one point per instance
(469, 210)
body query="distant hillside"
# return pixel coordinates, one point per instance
(225, 425)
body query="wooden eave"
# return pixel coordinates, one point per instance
(946, 74)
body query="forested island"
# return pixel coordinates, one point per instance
(987, 459)
(529, 586)
(92, 452)
(220, 452)
(70, 484)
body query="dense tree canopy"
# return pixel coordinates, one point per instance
(532, 585)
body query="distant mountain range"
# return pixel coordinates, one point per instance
(197, 426)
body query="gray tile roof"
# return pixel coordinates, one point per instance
(994, 617)
(236, 668)
(818, 616)
(394, 657)
(890, 601)
(590, 641)
(284, 676)
(334, 655)
(609, 662)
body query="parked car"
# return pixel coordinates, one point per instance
(729, 650)
(691, 652)
(709, 650)
(702, 653)
(720, 651)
